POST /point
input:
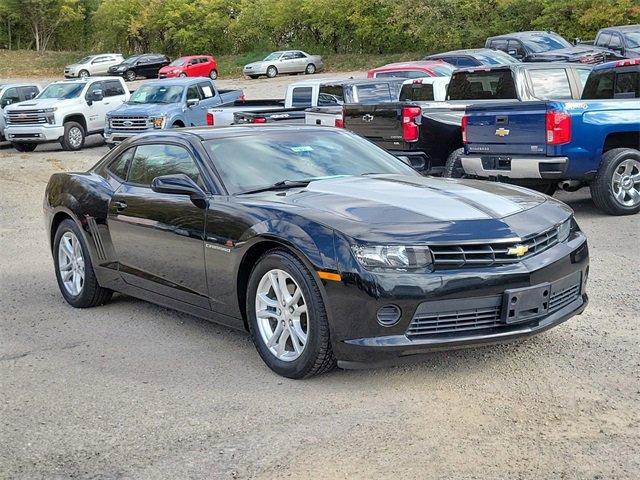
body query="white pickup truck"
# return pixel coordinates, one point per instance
(66, 111)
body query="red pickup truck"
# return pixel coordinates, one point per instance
(192, 66)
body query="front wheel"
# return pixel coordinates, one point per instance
(272, 71)
(182, 75)
(213, 74)
(616, 188)
(287, 317)
(130, 76)
(73, 138)
(83, 74)
(311, 69)
(74, 270)
(453, 166)
(24, 147)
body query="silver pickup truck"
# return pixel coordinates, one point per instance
(13, 93)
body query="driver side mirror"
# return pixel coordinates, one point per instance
(178, 184)
(95, 96)
(192, 102)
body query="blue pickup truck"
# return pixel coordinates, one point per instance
(593, 141)
(166, 103)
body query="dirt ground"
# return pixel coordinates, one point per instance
(132, 390)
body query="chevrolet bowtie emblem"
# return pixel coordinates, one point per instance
(518, 250)
(502, 132)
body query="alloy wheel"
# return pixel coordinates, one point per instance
(75, 137)
(71, 264)
(625, 183)
(282, 316)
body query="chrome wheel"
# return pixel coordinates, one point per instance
(625, 183)
(83, 74)
(75, 137)
(311, 69)
(271, 72)
(282, 317)
(71, 264)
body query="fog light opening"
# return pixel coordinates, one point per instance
(389, 315)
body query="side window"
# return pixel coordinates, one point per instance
(151, 161)
(627, 85)
(301, 96)
(499, 45)
(373, 93)
(112, 88)
(94, 86)
(99, 60)
(616, 42)
(599, 85)
(603, 39)
(193, 93)
(27, 93)
(417, 92)
(144, 60)
(583, 74)
(330, 95)
(516, 46)
(299, 55)
(466, 62)
(10, 96)
(120, 165)
(549, 84)
(205, 90)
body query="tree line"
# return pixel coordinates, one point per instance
(177, 27)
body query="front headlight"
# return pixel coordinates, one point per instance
(49, 115)
(158, 122)
(393, 257)
(564, 229)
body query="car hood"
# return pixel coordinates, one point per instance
(74, 65)
(141, 110)
(42, 103)
(406, 208)
(569, 53)
(253, 65)
(168, 68)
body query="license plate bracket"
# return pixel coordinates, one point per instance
(524, 304)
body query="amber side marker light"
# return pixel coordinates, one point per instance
(334, 277)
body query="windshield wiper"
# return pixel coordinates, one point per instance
(281, 185)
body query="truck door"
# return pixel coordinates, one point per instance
(96, 108)
(195, 113)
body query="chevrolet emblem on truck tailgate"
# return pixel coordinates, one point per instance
(502, 132)
(367, 118)
(518, 250)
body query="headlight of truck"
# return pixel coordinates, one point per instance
(564, 229)
(393, 257)
(49, 115)
(158, 122)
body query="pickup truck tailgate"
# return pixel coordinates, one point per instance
(514, 128)
(381, 123)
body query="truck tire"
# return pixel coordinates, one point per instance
(272, 71)
(213, 74)
(310, 70)
(130, 75)
(73, 138)
(616, 188)
(453, 166)
(24, 147)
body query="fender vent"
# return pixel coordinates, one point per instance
(97, 238)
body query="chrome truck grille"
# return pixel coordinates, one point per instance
(129, 123)
(26, 117)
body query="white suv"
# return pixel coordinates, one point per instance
(65, 111)
(93, 65)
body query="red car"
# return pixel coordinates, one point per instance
(417, 69)
(192, 66)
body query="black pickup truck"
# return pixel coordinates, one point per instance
(427, 134)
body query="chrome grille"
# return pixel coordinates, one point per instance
(25, 117)
(487, 254)
(129, 123)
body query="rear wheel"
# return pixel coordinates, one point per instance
(616, 188)
(287, 317)
(213, 74)
(311, 69)
(272, 71)
(130, 75)
(73, 138)
(24, 147)
(74, 270)
(453, 166)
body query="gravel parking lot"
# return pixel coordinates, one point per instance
(133, 390)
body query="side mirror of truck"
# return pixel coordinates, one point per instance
(95, 96)
(192, 102)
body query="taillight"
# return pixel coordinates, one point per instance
(258, 120)
(410, 129)
(628, 62)
(210, 119)
(463, 128)
(558, 128)
(241, 97)
(339, 123)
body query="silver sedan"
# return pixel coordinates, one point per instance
(287, 61)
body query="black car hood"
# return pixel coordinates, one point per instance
(398, 208)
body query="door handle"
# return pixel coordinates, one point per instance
(120, 206)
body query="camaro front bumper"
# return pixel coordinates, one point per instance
(456, 308)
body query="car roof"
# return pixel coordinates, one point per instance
(622, 28)
(525, 66)
(208, 133)
(85, 80)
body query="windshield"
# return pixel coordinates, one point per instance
(482, 85)
(131, 60)
(496, 57)
(259, 159)
(272, 56)
(544, 43)
(157, 94)
(633, 39)
(85, 60)
(62, 91)
(178, 62)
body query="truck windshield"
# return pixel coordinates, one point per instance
(544, 43)
(62, 91)
(258, 159)
(157, 94)
(633, 39)
(481, 85)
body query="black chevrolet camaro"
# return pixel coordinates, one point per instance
(325, 247)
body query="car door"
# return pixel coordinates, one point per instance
(114, 94)
(159, 238)
(208, 100)
(300, 61)
(287, 63)
(99, 65)
(191, 68)
(203, 67)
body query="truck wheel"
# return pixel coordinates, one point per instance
(130, 76)
(453, 166)
(311, 69)
(616, 188)
(73, 138)
(213, 74)
(24, 147)
(272, 71)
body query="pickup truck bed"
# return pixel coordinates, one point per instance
(284, 115)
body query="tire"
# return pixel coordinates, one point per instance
(310, 70)
(453, 166)
(176, 125)
(90, 293)
(213, 74)
(182, 75)
(24, 147)
(130, 75)
(72, 140)
(254, 77)
(83, 74)
(272, 71)
(616, 188)
(315, 356)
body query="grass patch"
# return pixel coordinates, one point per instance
(29, 64)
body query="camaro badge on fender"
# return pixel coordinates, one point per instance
(518, 250)
(502, 132)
